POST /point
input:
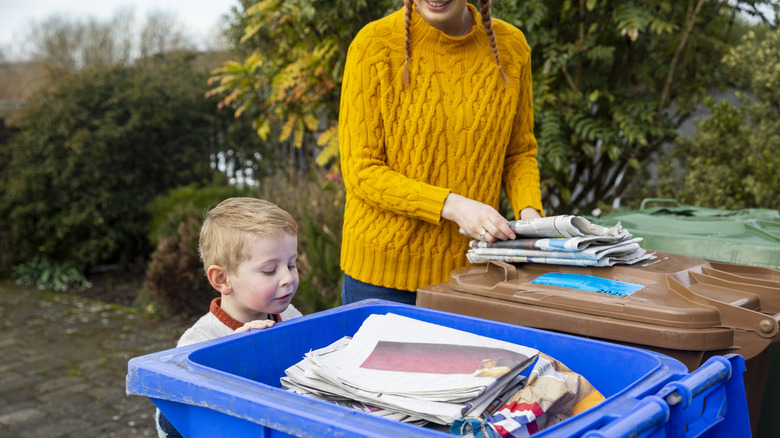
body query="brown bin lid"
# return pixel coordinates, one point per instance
(684, 303)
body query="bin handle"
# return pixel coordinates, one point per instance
(715, 371)
(660, 201)
(655, 410)
(650, 413)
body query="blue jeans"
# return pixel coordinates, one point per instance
(355, 290)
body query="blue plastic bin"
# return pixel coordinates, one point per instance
(230, 386)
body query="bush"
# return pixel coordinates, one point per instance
(94, 148)
(46, 274)
(731, 162)
(170, 210)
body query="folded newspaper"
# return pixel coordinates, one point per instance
(410, 370)
(562, 240)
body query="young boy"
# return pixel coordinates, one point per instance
(249, 248)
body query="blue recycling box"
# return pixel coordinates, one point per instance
(230, 386)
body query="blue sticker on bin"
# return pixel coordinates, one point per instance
(588, 283)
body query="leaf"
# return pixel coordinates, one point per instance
(630, 20)
(311, 121)
(287, 128)
(263, 129)
(298, 134)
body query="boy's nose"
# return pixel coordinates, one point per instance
(287, 277)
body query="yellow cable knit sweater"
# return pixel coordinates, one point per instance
(456, 128)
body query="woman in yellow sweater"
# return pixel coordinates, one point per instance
(436, 114)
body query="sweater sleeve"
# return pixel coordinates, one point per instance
(521, 171)
(367, 75)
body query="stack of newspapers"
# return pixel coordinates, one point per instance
(413, 371)
(562, 240)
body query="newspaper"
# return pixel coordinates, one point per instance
(571, 244)
(590, 253)
(562, 226)
(411, 370)
(637, 256)
(562, 240)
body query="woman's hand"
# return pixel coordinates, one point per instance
(255, 325)
(479, 220)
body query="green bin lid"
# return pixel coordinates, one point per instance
(746, 237)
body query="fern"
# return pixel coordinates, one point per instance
(600, 53)
(630, 20)
(553, 138)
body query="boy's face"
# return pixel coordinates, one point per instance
(266, 282)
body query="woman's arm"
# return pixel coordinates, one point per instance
(364, 166)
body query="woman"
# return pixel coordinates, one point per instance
(436, 114)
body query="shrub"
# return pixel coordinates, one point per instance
(46, 274)
(732, 160)
(170, 210)
(94, 148)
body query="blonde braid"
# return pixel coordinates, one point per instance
(487, 23)
(407, 40)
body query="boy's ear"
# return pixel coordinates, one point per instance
(219, 279)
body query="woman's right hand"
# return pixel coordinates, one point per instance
(479, 220)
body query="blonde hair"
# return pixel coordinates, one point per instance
(487, 24)
(231, 227)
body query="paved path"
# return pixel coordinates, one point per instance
(63, 362)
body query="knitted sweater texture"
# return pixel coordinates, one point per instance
(457, 128)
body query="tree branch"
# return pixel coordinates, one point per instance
(690, 20)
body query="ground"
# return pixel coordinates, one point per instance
(116, 286)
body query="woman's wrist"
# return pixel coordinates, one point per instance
(450, 208)
(529, 213)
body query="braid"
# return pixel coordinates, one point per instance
(407, 41)
(487, 23)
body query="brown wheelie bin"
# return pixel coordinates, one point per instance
(685, 307)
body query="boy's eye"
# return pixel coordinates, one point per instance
(293, 266)
(269, 272)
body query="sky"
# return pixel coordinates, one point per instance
(199, 17)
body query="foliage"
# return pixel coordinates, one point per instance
(289, 78)
(613, 80)
(46, 274)
(733, 158)
(96, 149)
(170, 210)
(175, 277)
